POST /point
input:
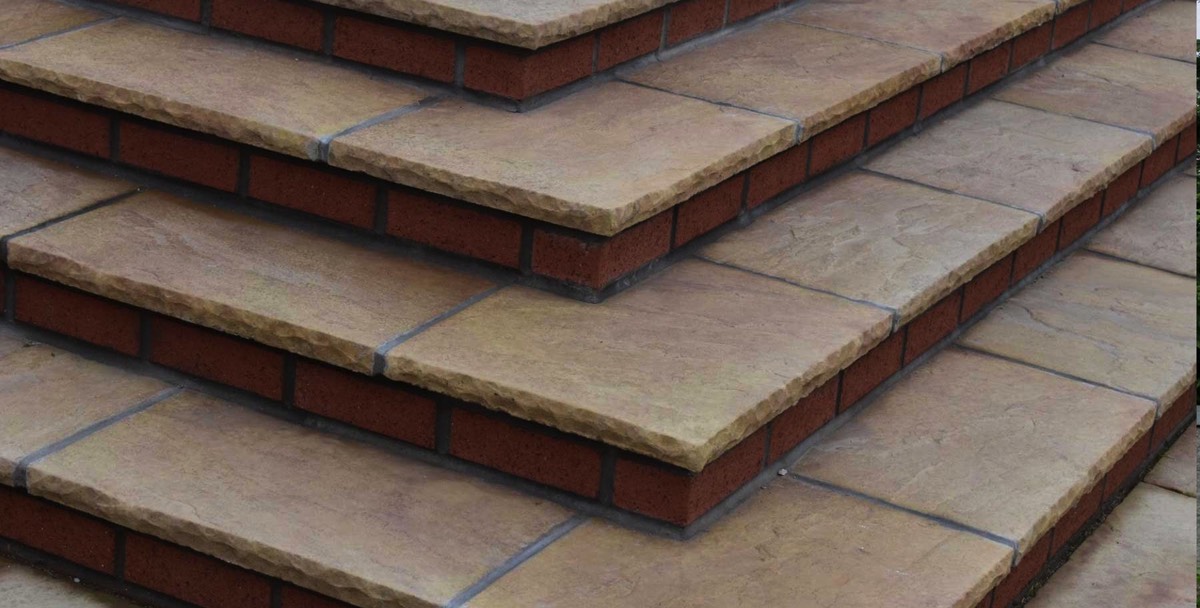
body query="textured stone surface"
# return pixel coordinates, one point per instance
(877, 239)
(240, 91)
(601, 160)
(341, 518)
(957, 29)
(23, 20)
(814, 76)
(315, 296)
(790, 545)
(1142, 92)
(33, 190)
(1158, 230)
(983, 442)
(48, 394)
(24, 587)
(1164, 30)
(1106, 321)
(1176, 470)
(1142, 555)
(1017, 156)
(525, 23)
(681, 367)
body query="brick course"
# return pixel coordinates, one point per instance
(379, 407)
(77, 314)
(192, 577)
(216, 356)
(193, 158)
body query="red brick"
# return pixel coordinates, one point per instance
(744, 9)
(313, 190)
(596, 264)
(56, 530)
(1078, 517)
(1160, 161)
(216, 356)
(400, 48)
(1079, 220)
(1104, 11)
(778, 173)
(630, 39)
(1187, 143)
(864, 375)
(558, 461)
(3, 290)
(709, 209)
(367, 403)
(986, 287)
(1132, 4)
(275, 20)
(691, 18)
(456, 228)
(1035, 252)
(519, 74)
(800, 421)
(934, 324)
(1032, 44)
(55, 123)
(183, 9)
(943, 91)
(986, 602)
(1071, 25)
(1026, 570)
(1126, 469)
(838, 144)
(191, 158)
(1172, 418)
(1122, 189)
(893, 116)
(77, 314)
(678, 497)
(192, 577)
(294, 597)
(989, 68)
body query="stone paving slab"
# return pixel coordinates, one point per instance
(34, 190)
(1176, 471)
(25, 587)
(1158, 231)
(23, 20)
(1164, 29)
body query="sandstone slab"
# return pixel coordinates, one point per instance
(878, 239)
(276, 100)
(1142, 555)
(1176, 471)
(983, 442)
(600, 161)
(680, 367)
(33, 190)
(1018, 156)
(341, 518)
(312, 295)
(1106, 321)
(1164, 30)
(813, 76)
(24, 587)
(23, 20)
(1157, 231)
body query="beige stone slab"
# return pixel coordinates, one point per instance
(790, 545)
(1142, 92)
(525, 23)
(24, 587)
(957, 29)
(878, 239)
(814, 76)
(984, 442)
(1018, 156)
(302, 292)
(23, 20)
(1143, 555)
(342, 518)
(1158, 231)
(681, 367)
(278, 100)
(1176, 471)
(48, 395)
(600, 160)
(33, 190)
(1106, 321)
(1164, 30)
(11, 341)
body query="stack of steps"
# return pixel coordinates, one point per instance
(323, 334)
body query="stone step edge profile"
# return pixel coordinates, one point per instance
(586, 474)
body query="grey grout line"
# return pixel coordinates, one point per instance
(324, 142)
(555, 533)
(1117, 258)
(62, 218)
(1153, 140)
(1061, 374)
(942, 69)
(62, 32)
(383, 349)
(723, 104)
(1121, 48)
(20, 475)
(1042, 223)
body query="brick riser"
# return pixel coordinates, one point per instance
(568, 262)
(166, 575)
(615, 482)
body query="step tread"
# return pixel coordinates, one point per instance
(1157, 31)
(1142, 555)
(28, 19)
(36, 191)
(24, 587)
(1158, 232)
(1177, 469)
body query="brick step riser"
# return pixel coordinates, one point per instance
(628, 487)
